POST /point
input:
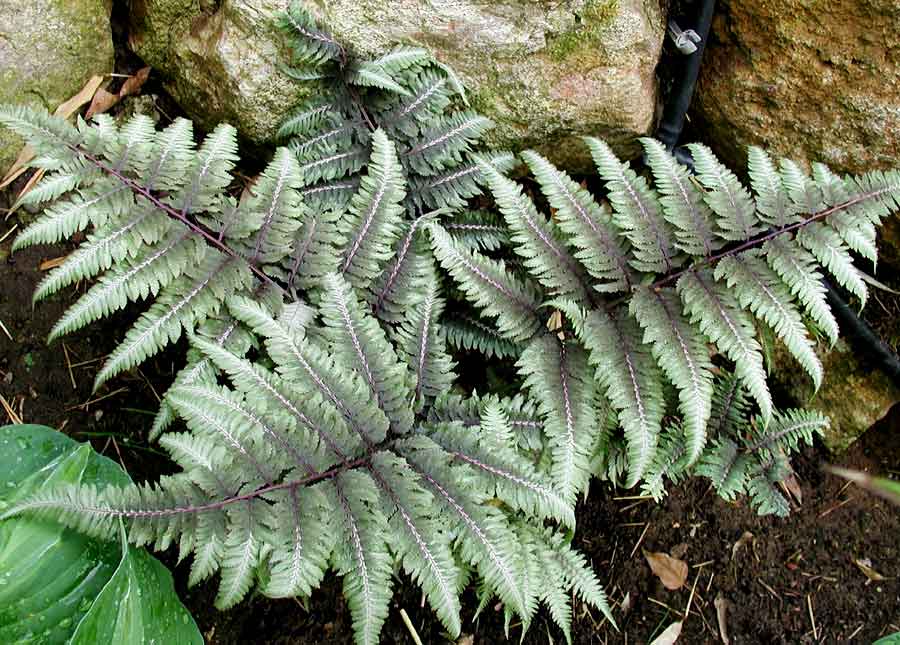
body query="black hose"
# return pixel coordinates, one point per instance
(685, 78)
(861, 336)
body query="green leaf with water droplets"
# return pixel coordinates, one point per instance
(57, 586)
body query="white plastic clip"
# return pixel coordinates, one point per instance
(686, 41)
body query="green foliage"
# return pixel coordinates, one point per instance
(63, 587)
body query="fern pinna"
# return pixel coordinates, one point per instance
(646, 284)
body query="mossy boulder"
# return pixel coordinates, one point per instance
(544, 72)
(220, 60)
(49, 49)
(809, 80)
(854, 396)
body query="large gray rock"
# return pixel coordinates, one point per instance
(809, 80)
(220, 60)
(48, 51)
(544, 71)
(853, 396)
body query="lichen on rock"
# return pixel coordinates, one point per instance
(543, 71)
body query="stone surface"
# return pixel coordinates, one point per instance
(48, 51)
(544, 71)
(810, 80)
(852, 395)
(219, 60)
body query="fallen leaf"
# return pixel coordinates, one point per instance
(721, 604)
(466, 639)
(65, 110)
(669, 636)
(672, 572)
(626, 603)
(70, 107)
(133, 84)
(792, 486)
(103, 100)
(865, 565)
(744, 539)
(46, 265)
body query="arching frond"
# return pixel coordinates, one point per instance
(681, 353)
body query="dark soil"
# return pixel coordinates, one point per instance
(795, 581)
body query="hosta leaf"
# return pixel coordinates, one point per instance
(59, 586)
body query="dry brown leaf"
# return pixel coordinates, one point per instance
(46, 265)
(133, 84)
(70, 107)
(865, 565)
(19, 166)
(792, 486)
(103, 100)
(744, 539)
(66, 110)
(721, 604)
(672, 572)
(670, 635)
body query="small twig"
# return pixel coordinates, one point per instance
(662, 604)
(640, 539)
(150, 385)
(69, 365)
(770, 590)
(15, 418)
(119, 453)
(84, 406)
(687, 611)
(88, 362)
(856, 631)
(9, 232)
(812, 617)
(5, 330)
(834, 508)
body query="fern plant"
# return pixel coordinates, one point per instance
(336, 456)
(335, 421)
(647, 284)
